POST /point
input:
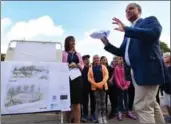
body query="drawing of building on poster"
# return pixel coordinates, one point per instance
(27, 84)
(30, 71)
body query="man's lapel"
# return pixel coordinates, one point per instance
(137, 24)
(124, 44)
(127, 69)
(139, 21)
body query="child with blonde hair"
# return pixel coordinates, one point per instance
(98, 76)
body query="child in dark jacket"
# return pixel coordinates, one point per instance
(87, 92)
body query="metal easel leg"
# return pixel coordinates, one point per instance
(62, 117)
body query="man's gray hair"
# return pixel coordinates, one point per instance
(167, 54)
(138, 6)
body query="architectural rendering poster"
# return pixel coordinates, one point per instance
(28, 87)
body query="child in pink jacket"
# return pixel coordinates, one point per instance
(122, 87)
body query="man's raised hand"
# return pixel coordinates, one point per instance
(119, 23)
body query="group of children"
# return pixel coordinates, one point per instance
(101, 80)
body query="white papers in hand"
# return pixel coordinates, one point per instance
(74, 73)
(100, 34)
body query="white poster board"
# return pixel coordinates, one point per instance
(35, 52)
(28, 87)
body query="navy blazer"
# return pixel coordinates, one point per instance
(144, 51)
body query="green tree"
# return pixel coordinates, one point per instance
(164, 47)
(11, 93)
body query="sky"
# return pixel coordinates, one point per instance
(55, 20)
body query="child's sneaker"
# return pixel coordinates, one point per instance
(100, 120)
(84, 118)
(119, 117)
(93, 119)
(105, 120)
(131, 116)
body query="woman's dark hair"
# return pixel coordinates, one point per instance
(67, 42)
(103, 58)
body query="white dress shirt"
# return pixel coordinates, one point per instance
(127, 46)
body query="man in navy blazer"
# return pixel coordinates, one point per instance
(141, 51)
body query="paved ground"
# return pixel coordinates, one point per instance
(48, 118)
